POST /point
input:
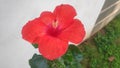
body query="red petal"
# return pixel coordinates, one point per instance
(64, 14)
(47, 17)
(33, 29)
(74, 33)
(65, 11)
(52, 48)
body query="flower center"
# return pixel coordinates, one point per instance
(53, 29)
(55, 24)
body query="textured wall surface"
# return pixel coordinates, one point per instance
(14, 51)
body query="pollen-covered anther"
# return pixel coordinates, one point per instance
(55, 24)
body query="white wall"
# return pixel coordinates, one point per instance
(14, 51)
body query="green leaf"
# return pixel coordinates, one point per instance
(58, 63)
(73, 57)
(76, 53)
(35, 45)
(38, 61)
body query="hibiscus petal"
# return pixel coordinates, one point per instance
(51, 47)
(64, 15)
(74, 33)
(65, 11)
(33, 29)
(47, 17)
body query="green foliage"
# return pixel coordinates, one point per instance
(105, 46)
(73, 57)
(70, 60)
(35, 45)
(59, 63)
(38, 61)
(113, 29)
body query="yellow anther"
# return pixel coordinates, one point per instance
(55, 24)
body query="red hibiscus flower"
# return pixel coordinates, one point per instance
(53, 30)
